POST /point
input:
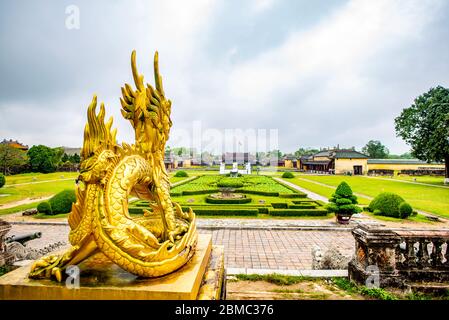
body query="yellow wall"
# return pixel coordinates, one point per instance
(400, 166)
(288, 163)
(347, 165)
(186, 163)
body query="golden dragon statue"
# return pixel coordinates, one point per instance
(164, 238)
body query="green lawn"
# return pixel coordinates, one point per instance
(439, 181)
(426, 198)
(36, 177)
(34, 190)
(35, 185)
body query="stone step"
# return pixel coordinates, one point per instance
(436, 288)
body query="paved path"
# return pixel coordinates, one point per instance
(332, 187)
(255, 249)
(22, 202)
(310, 194)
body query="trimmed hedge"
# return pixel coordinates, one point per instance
(405, 210)
(62, 201)
(298, 212)
(2, 180)
(230, 183)
(279, 205)
(261, 193)
(181, 174)
(194, 192)
(388, 204)
(137, 210)
(287, 175)
(292, 195)
(44, 207)
(212, 200)
(301, 206)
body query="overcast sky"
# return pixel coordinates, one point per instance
(320, 72)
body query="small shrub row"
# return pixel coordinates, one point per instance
(287, 175)
(301, 206)
(59, 203)
(181, 174)
(292, 195)
(297, 212)
(261, 193)
(228, 201)
(390, 205)
(217, 211)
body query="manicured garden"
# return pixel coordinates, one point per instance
(257, 196)
(421, 197)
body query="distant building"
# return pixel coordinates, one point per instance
(337, 161)
(404, 166)
(15, 144)
(288, 161)
(238, 157)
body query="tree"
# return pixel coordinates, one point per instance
(424, 126)
(305, 152)
(11, 157)
(44, 159)
(406, 155)
(75, 158)
(375, 149)
(65, 157)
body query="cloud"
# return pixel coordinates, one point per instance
(321, 73)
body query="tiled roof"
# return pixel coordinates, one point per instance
(349, 154)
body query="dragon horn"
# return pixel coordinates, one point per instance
(157, 75)
(138, 79)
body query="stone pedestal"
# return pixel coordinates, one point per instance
(202, 277)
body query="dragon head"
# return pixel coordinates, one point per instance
(148, 111)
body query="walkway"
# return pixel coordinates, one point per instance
(244, 248)
(310, 194)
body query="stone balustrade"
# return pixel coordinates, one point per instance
(398, 258)
(5, 257)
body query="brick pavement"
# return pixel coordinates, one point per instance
(257, 249)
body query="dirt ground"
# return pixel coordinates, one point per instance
(305, 290)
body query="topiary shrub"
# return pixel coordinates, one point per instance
(405, 210)
(343, 203)
(62, 201)
(44, 207)
(2, 180)
(181, 174)
(230, 183)
(388, 203)
(288, 175)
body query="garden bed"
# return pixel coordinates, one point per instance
(268, 197)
